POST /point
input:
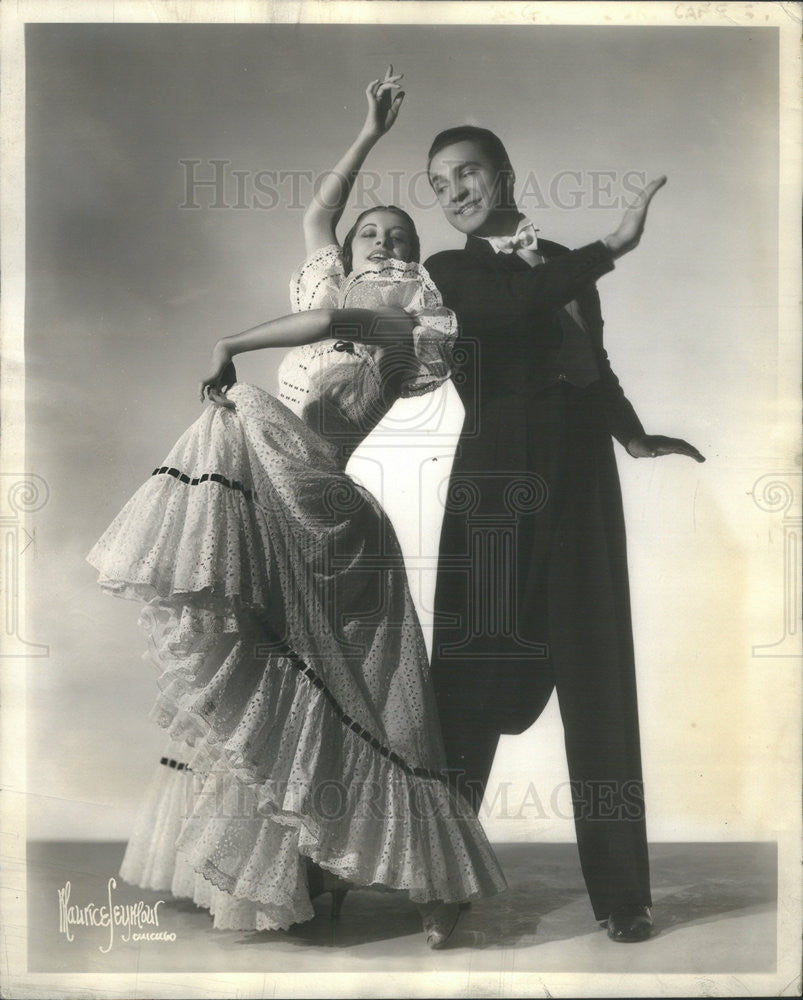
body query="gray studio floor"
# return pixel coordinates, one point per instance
(715, 912)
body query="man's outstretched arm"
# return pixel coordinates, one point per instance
(469, 286)
(472, 288)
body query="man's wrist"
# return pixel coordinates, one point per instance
(632, 445)
(614, 244)
(642, 446)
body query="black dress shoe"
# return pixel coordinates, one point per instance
(630, 923)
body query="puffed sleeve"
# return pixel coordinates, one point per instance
(407, 285)
(316, 283)
(433, 338)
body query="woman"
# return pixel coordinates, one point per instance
(292, 661)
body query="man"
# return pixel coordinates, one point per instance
(532, 590)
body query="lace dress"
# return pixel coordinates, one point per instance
(293, 676)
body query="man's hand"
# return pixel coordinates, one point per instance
(627, 236)
(653, 445)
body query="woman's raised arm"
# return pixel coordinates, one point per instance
(328, 202)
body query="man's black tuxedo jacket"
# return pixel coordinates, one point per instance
(507, 314)
(564, 581)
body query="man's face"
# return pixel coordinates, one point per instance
(470, 189)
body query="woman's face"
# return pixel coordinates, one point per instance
(380, 236)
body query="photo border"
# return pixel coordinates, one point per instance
(693, 16)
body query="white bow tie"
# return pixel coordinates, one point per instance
(525, 238)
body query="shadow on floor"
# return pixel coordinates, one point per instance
(546, 904)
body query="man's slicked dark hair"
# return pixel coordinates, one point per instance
(490, 143)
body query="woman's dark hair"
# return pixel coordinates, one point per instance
(489, 143)
(415, 243)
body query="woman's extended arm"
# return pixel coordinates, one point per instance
(387, 325)
(328, 202)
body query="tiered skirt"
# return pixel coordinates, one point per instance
(292, 680)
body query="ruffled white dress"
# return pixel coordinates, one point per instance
(293, 676)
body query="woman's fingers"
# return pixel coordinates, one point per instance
(220, 398)
(213, 389)
(393, 110)
(379, 85)
(376, 88)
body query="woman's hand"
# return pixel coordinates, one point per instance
(328, 201)
(631, 227)
(383, 106)
(653, 445)
(221, 378)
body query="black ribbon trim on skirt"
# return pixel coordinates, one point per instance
(169, 762)
(298, 664)
(419, 772)
(213, 477)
